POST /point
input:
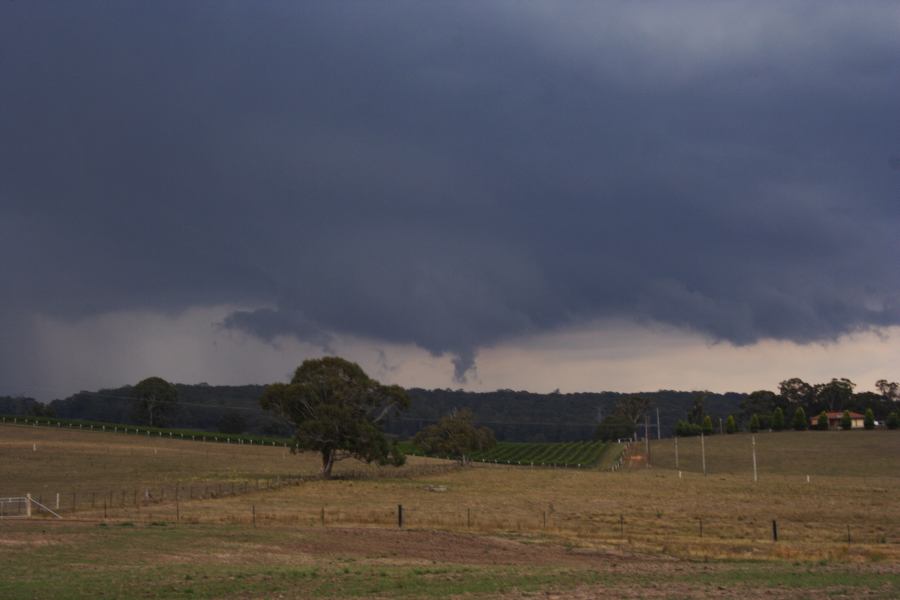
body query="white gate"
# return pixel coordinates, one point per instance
(21, 507)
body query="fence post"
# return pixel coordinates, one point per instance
(774, 530)
(57, 500)
(28, 505)
(253, 512)
(400, 516)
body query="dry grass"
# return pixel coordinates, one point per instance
(856, 453)
(45, 461)
(653, 509)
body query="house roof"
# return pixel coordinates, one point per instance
(840, 415)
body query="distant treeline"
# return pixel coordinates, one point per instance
(513, 415)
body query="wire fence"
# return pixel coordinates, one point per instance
(628, 525)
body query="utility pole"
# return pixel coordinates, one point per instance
(755, 477)
(658, 429)
(676, 451)
(647, 436)
(703, 452)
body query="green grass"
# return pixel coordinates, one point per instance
(563, 454)
(75, 562)
(157, 432)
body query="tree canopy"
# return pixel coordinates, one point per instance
(337, 410)
(156, 398)
(455, 435)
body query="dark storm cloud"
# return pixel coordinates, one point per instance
(453, 175)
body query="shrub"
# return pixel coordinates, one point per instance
(822, 422)
(893, 420)
(846, 421)
(707, 425)
(799, 423)
(754, 423)
(614, 427)
(685, 429)
(869, 421)
(730, 425)
(778, 419)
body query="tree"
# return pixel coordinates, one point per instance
(778, 419)
(846, 421)
(869, 421)
(455, 435)
(890, 390)
(759, 402)
(796, 391)
(156, 398)
(799, 423)
(633, 408)
(698, 412)
(337, 410)
(822, 422)
(685, 429)
(754, 423)
(232, 422)
(730, 425)
(707, 425)
(836, 394)
(615, 427)
(893, 420)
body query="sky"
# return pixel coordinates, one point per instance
(572, 195)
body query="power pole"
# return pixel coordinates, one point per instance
(755, 478)
(676, 451)
(703, 452)
(658, 429)
(647, 436)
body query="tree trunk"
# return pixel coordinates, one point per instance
(327, 463)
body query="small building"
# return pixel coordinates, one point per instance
(857, 421)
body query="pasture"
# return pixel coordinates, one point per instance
(480, 532)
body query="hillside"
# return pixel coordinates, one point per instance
(800, 453)
(513, 415)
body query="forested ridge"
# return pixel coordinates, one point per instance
(512, 415)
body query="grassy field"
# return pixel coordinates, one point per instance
(481, 532)
(856, 453)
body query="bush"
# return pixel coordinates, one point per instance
(754, 423)
(846, 421)
(799, 423)
(615, 427)
(707, 425)
(822, 422)
(730, 425)
(893, 420)
(685, 429)
(870, 419)
(778, 419)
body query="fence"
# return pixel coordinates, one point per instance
(627, 526)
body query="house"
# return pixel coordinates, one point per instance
(857, 421)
